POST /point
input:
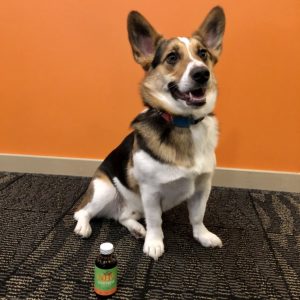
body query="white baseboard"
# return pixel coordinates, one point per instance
(257, 179)
(226, 177)
(48, 165)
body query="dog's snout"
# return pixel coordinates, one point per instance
(200, 75)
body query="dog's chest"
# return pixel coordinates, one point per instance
(177, 183)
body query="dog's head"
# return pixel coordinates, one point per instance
(179, 75)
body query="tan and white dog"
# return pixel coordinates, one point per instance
(169, 157)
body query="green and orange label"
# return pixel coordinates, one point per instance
(105, 281)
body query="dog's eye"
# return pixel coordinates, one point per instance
(202, 53)
(172, 58)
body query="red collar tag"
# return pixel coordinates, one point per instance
(167, 117)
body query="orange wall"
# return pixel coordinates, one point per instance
(68, 82)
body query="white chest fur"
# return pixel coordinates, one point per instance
(175, 183)
(205, 139)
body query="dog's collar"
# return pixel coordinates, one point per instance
(180, 121)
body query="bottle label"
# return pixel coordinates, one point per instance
(105, 281)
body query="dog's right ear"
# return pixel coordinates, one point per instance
(143, 39)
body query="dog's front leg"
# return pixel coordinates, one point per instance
(196, 207)
(153, 246)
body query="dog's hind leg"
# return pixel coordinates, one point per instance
(100, 199)
(131, 211)
(129, 219)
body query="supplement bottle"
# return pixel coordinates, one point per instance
(105, 279)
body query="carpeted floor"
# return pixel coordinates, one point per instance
(41, 258)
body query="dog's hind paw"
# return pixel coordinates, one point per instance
(134, 227)
(138, 232)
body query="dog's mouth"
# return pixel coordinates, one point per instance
(194, 97)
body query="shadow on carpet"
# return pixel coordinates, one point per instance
(41, 258)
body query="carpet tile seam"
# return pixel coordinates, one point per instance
(146, 285)
(28, 210)
(11, 182)
(271, 247)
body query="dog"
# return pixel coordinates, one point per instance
(169, 157)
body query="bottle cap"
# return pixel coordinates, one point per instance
(106, 248)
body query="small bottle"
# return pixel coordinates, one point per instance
(105, 279)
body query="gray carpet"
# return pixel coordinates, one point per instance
(41, 258)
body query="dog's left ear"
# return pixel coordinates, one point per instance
(211, 31)
(143, 39)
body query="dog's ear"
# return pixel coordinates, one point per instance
(211, 31)
(143, 39)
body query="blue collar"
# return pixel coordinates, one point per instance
(180, 121)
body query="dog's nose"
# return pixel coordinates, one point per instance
(200, 75)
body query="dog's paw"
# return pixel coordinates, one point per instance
(83, 229)
(206, 238)
(209, 239)
(138, 231)
(154, 248)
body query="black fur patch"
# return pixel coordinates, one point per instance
(158, 54)
(115, 164)
(153, 119)
(143, 145)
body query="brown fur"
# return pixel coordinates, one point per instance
(132, 183)
(177, 149)
(149, 99)
(101, 175)
(88, 196)
(178, 69)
